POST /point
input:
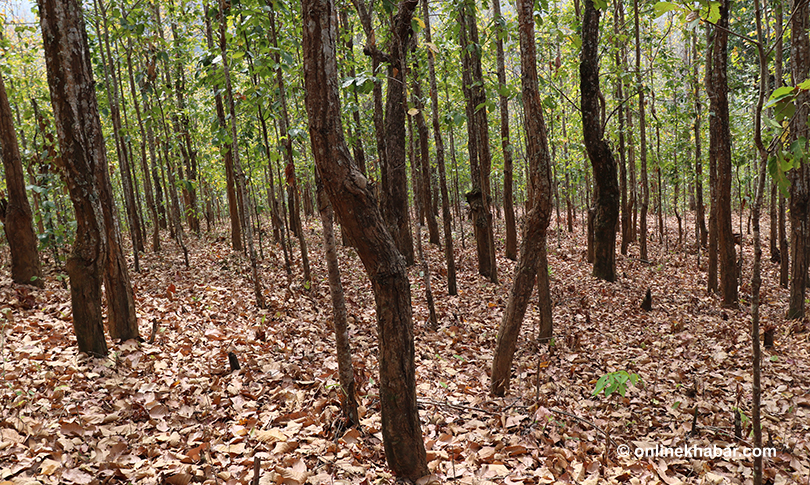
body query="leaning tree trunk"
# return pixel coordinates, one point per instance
(720, 151)
(606, 187)
(16, 213)
(70, 79)
(799, 177)
(533, 243)
(353, 200)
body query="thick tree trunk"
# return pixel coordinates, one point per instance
(606, 186)
(70, 78)
(15, 214)
(353, 200)
(437, 137)
(720, 151)
(533, 243)
(799, 177)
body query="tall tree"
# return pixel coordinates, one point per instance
(532, 259)
(700, 221)
(800, 176)
(606, 186)
(15, 213)
(503, 100)
(642, 122)
(720, 151)
(437, 138)
(477, 139)
(70, 79)
(353, 200)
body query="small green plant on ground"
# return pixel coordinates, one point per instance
(615, 382)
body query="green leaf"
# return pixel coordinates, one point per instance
(601, 384)
(663, 7)
(600, 4)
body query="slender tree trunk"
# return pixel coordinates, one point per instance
(642, 122)
(422, 129)
(606, 186)
(503, 101)
(351, 197)
(238, 173)
(700, 222)
(437, 137)
(533, 242)
(799, 177)
(621, 63)
(478, 141)
(15, 214)
(720, 151)
(292, 179)
(339, 319)
(784, 250)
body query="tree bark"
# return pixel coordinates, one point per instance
(720, 151)
(800, 176)
(701, 232)
(437, 137)
(642, 122)
(353, 200)
(15, 214)
(503, 101)
(478, 141)
(70, 79)
(606, 186)
(424, 150)
(533, 243)
(621, 63)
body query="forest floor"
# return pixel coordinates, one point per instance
(172, 412)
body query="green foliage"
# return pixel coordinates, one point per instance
(615, 382)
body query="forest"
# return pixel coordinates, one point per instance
(360, 241)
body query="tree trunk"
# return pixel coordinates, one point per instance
(720, 151)
(478, 141)
(292, 180)
(799, 177)
(15, 214)
(352, 198)
(503, 101)
(533, 243)
(702, 233)
(642, 122)
(70, 79)
(437, 137)
(606, 186)
(422, 129)
(784, 250)
(339, 319)
(621, 63)
(234, 150)
(395, 198)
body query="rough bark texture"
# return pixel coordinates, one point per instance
(720, 151)
(15, 214)
(339, 319)
(426, 207)
(70, 79)
(437, 137)
(352, 198)
(533, 243)
(395, 188)
(799, 177)
(606, 186)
